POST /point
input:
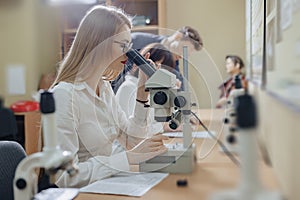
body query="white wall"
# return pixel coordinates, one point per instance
(280, 134)
(28, 36)
(279, 122)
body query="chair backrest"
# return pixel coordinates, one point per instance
(11, 153)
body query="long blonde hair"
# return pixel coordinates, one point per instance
(91, 45)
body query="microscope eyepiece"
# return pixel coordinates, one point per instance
(246, 111)
(134, 56)
(237, 82)
(47, 104)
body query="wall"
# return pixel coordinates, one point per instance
(284, 76)
(280, 133)
(222, 26)
(25, 39)
(49, 21)
(280, 121)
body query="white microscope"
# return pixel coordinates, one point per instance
(180, 158)
(52, 158)
(250, 186)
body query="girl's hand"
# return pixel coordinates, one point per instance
(147, 149)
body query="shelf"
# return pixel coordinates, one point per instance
(70, 31)
(145, 28)
(134, 1)
(150, 9)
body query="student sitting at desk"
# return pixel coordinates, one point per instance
(185, 36)
(234, 66)
(88, 116)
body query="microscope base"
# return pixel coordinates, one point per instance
(177, 160)
(237, 195)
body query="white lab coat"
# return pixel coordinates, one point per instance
(87, 125)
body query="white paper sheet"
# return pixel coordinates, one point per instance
(196, 134)
(15, 79)
(131, 185)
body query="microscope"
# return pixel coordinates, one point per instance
(180, 157)
(230, 131)
(250, 187)
(52, 158)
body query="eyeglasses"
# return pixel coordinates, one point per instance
(125, 45)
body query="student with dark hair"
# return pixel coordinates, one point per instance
(185, 36)
(234, 65)
(186, 33)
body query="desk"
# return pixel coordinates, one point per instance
(214, 173)
(32, 124)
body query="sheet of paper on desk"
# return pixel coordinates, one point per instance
(131, 185)
(196, 134)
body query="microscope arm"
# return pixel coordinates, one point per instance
(52, 158)
(26, 179)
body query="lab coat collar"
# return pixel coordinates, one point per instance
(131, 78)
(84, 85)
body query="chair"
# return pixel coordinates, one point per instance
(8, 124)
(11, 153)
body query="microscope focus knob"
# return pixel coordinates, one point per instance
(21, 183)
(233, 114)
(231, 139)
(179, 101)
(226, 120)
(160, 98)
(173, 125)
(232, 129)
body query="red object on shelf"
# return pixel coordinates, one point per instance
(25, 106)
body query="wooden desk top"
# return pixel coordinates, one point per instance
(27, 113)
(212, 173)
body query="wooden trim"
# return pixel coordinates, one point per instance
(32, 131)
